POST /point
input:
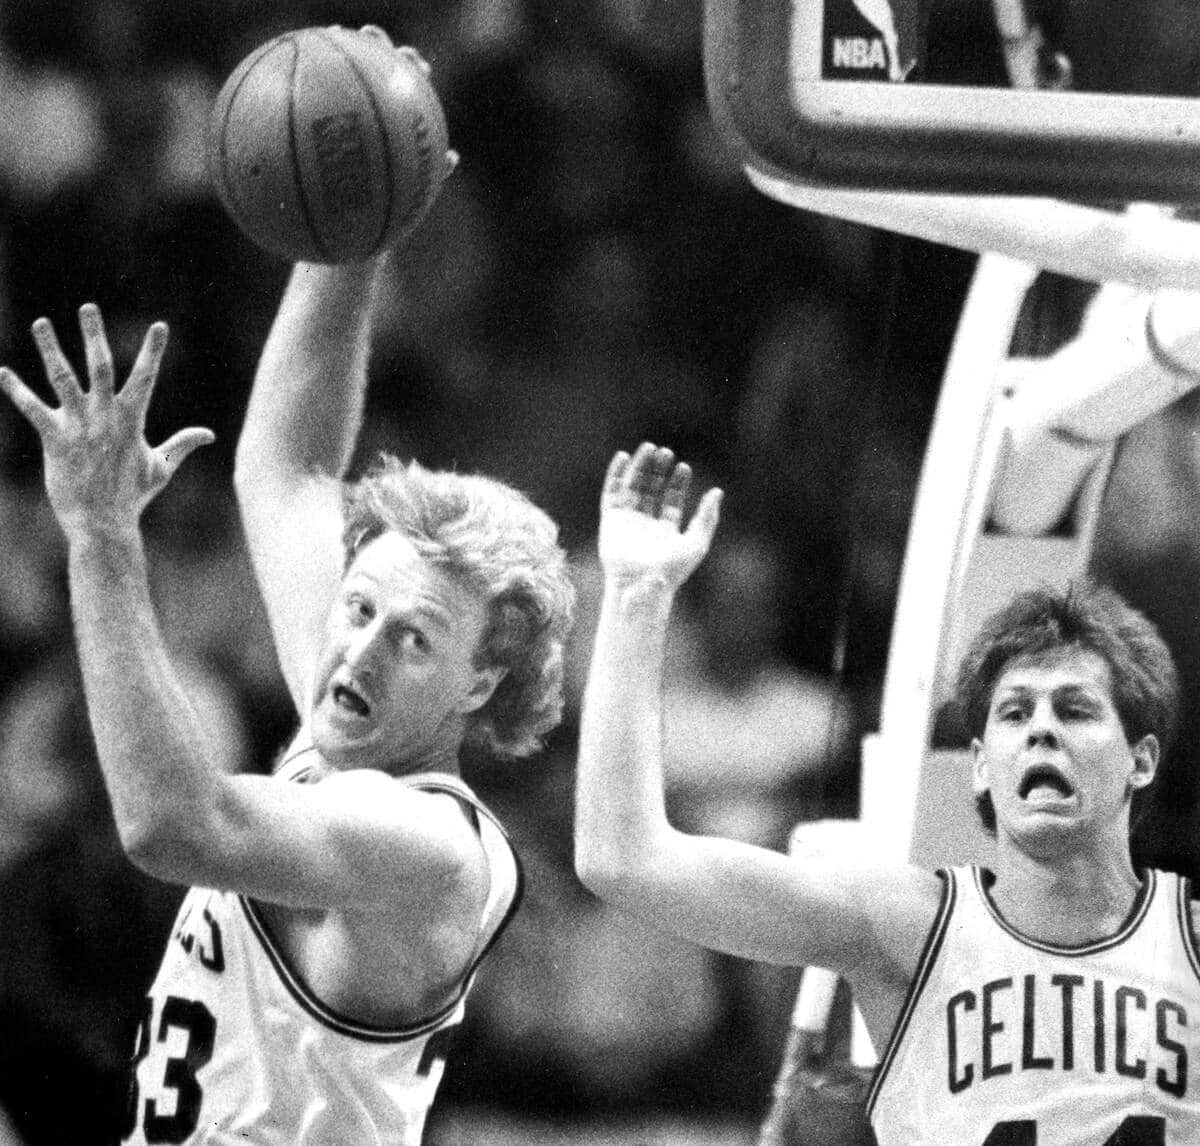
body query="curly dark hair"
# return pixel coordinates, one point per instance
(1085, 615)
(505, 548)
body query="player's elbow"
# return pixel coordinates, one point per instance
(156, 850)
(593, 872)
(169, 841)
(616, 874)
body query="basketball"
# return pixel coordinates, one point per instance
(327, 145)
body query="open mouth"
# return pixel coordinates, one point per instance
(1043, 783)
(346, 698)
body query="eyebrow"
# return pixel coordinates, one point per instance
(437, 616)
(1071, 690)
(432, 612)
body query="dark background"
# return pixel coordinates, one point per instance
(597, 272)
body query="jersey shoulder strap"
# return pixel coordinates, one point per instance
(504, 864)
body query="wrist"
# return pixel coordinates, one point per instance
(354, 282)
(642, 595)
(91, 533)
(327, 308)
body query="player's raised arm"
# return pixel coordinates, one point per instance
(304, 416)
(724, 894)
(301, 423)
(179, 816)
(620, 816)
(100, 473)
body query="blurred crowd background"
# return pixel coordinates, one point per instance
(597, 272)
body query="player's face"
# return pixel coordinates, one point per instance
(1054, 754)
(397, 677)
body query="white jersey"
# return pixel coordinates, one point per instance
(233, 1047)
(1008, 1041)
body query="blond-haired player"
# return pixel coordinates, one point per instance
(340, 907)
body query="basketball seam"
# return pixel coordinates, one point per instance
(227, 188)
(294, 159)
(381, 124)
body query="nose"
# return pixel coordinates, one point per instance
(361, 649)
(1043, 725)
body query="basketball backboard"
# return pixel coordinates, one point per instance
(838, 92)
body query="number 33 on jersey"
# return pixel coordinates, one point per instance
(282, 1058)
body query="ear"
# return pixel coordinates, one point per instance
(979, 776)
(487, 680)
(1145, 761)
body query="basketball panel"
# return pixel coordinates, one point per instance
(412, 124)
(256, 172)
(417, 140)
(344, 168)
(219, 117)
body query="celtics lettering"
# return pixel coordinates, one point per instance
(199, 934)
(1067, 1023)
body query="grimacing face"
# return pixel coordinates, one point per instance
(397, 678)
(1054, 755)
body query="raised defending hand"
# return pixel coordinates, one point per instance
(641, 518)
(100, 471)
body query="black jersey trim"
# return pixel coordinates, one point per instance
(1137, 913)
(464, 793)
(355, 1028)
(326, 1016)
(1183, 902)
(929, 954)
(303, 775)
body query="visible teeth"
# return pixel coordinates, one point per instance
(1044, 784)
(1043, 793)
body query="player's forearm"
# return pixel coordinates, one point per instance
(620, 808)
(150, 744)
(306, 405)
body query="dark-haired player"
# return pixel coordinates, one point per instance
(1053, 1000)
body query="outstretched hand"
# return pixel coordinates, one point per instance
(100, 471)
(642, 535)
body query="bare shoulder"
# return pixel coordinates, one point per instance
(433, 827)
(919, 896)
(901, 927)
(893, 904)
(397, 957)
(431, 813)
(900, 904)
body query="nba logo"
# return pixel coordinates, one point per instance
(869, 40)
